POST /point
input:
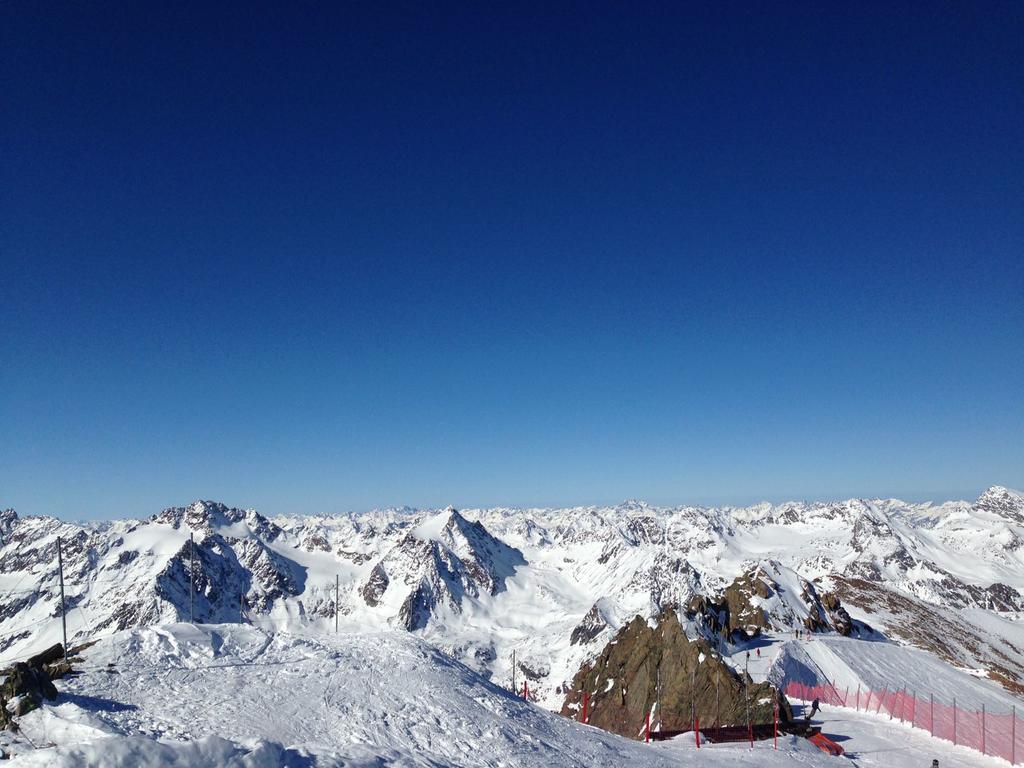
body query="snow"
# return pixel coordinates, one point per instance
(329, 695)
(231, 695)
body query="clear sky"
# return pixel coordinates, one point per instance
(315, 258)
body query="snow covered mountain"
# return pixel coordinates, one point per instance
(554, 585)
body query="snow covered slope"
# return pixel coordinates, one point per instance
(552, 584)
(337, 697)
(231, 695)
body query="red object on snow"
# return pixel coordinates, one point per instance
(825, 744)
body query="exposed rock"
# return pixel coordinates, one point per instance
(743, 614)
(375, 586)
(590, 627)
(50, 655)
(644, 665)
(23, 689)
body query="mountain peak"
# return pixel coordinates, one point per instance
(1004, 502)
(205, 515)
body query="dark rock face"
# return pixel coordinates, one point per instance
(1000, 501)
(644, 666)
(741, 612)
(415, 610)
(743, 615)
(24, 689)
(375, 586)
(591, 626)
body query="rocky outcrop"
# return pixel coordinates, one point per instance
(592, 625)
(375, 586)
(25, 685)
(659, 669)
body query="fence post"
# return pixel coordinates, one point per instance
(1013, 737)
(983, 729)
(846, 696)
(856, 702)
(880, 700)
(931, 713)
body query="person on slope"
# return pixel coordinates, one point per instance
(813, 711)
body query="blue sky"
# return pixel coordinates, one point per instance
(321, 259)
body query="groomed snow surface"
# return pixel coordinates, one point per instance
(235, 695)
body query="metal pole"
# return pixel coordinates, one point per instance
(335, 603)
(191, 578)
(63, 611)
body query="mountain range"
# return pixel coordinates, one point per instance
(553, 585)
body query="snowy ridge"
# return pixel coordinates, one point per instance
(553, 584)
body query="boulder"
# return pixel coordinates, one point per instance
(646, 665)
(23, 689)
(53, 653)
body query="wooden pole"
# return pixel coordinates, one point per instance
(63, 611)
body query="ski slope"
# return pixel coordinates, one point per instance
(236, 695)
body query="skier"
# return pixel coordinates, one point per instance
(813, 712)
(759, 653)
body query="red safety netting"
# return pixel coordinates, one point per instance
(991, 734)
